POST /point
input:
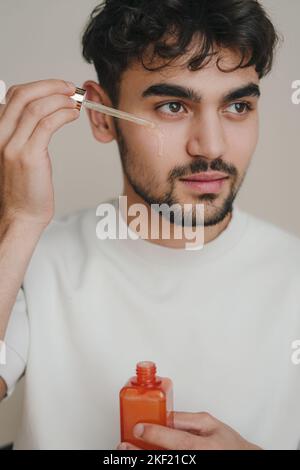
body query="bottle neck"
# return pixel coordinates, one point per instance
(145, 374)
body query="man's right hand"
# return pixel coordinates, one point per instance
(32, 114)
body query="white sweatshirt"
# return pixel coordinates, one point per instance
(221, 322)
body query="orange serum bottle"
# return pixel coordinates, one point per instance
(145, 398)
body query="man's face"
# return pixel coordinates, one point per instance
(204, 124)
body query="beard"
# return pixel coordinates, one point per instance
(149, 190)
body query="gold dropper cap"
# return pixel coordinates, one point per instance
(79, 97)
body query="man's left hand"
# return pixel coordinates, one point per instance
(192, 431)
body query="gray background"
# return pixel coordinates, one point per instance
(41, 39)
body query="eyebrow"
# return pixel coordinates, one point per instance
(178, 91)
(251, 89)
(169, 89)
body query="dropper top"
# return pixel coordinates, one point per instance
(79, 97)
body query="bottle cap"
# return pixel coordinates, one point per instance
(79, 96)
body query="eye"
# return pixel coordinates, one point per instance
(240, 108)
(173, 107)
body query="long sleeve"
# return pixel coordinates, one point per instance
(16, 343)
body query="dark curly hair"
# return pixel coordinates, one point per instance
(120, 31)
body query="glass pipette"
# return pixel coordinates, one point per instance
(79, 97)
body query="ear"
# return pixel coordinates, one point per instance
(102, 125)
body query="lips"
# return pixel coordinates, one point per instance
(206, 182)
(203, 177)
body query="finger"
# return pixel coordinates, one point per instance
(21, 95)
(127, 446)
(9, 94)
(34, 112)
(201, 423)
(3, 99)
(165, 437)
(42, 134)
(2, 106)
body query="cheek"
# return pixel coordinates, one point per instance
(144, 143)
(242, 142)
(153, 152)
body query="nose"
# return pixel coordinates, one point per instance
(207, 137)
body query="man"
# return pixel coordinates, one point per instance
(220, 321)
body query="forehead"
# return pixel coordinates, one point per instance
(209, 80)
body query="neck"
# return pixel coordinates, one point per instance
(210, 233)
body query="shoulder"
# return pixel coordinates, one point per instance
(273, 244)
(68, 232)
(70, 237)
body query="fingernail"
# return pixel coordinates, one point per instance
(122, 446)
(138, 430)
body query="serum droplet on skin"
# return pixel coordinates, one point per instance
(160, 137)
